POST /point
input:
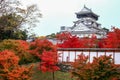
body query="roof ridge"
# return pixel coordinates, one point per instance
(85, 9)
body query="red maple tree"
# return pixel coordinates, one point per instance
(63, 36)
(112, 40)
(37, 47)
(76, 42)
(71, 42)
(48, 62)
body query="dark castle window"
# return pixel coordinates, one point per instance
(63, 28)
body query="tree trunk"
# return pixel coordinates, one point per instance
(53, 75)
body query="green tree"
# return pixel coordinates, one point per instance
(8, 25)
(20, 34)
(53, 35)
(13, 19)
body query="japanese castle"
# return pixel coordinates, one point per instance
(86, 25)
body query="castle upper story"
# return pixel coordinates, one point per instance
(86, 25)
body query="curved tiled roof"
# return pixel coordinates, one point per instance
(86, 10)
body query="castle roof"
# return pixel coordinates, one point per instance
(86, 11)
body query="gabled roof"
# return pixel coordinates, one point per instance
(79, 27)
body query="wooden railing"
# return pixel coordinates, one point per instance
(70, 54)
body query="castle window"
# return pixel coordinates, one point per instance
(63, 28)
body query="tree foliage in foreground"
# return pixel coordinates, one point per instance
(102, 68)
(49, 59)
(46, 53)
(9, 68)
(38, 46)
(19, 47)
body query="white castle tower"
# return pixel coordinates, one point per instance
(86, 25)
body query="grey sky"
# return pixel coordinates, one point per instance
(58, 13)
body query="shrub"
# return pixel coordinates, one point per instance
(38, 46)
(19, 47)
(102, 68)
(9, 68)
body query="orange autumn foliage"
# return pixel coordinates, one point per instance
(101, 68)
(46, 52)
(37, 47)
(9, 68)
(19, 47)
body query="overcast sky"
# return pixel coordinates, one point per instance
(57, 13)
